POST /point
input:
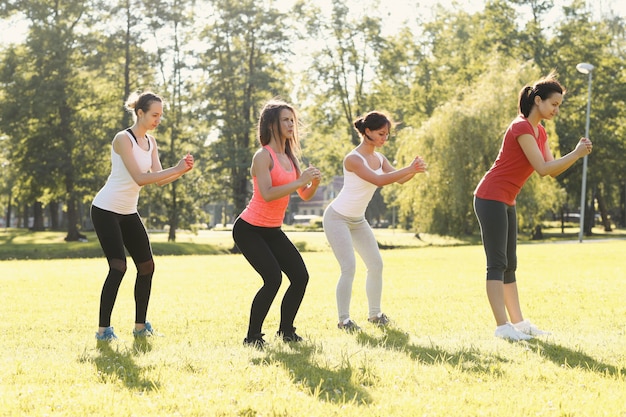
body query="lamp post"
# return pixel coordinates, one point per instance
(584, 68)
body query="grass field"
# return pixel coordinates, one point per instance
(24, 244)
(439, 359)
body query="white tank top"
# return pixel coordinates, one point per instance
(120, 193)
(356, 193)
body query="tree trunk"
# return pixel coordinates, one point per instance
(8, 223)
(24, 217)
(173, 217)
(53, 207)
(606, 222)
(38, 217)
(622, 202)
(126, 118)
(73, 234)
(590, 215)
(240, 195)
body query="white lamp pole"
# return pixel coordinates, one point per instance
(584, 68)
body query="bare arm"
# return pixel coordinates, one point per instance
(387, 167)
(123, 146)
(390, 175)
(189, 162)
(261, 165)
(308, 191)
(545, 164)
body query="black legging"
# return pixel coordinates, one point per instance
(498, 227)
(116, 231)
(270, 251)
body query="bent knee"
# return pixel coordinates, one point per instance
(118, 265)
(302, 281)
(273, 283)
(145, 268)
(348, 270)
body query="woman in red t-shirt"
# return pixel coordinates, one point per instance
(524, 150)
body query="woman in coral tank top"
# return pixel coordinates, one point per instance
(257, 231)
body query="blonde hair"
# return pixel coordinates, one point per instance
(141, 101)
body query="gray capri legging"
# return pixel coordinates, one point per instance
(498, 228)
(345, 235)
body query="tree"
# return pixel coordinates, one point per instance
(580, 39)
(532, 38)
(51, 143)
(342, 69)
(12, 116)
(459, 143)
(174, 63)
(242, 67)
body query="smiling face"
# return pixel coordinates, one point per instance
(152, 118)
(549, 107)
(377, 137)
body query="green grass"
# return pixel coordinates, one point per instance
(440, 358)
(23, 244)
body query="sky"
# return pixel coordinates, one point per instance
(400, 11)
(397, 12)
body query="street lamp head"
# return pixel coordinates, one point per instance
(584, 68)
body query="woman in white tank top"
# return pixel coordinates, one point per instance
(134, 163)
(345, 226)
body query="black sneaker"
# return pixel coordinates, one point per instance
(380, 320)
(289, 336)
(256, 341)
(349, 326)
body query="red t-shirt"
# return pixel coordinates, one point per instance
(511, 169)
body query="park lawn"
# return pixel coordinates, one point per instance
(439, 359)
(25, 244)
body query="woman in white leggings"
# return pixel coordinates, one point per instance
(345, 226)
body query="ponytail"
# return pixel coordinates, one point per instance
(543, 88)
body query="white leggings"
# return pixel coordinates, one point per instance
(345, 235)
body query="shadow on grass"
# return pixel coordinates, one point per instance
(341, 385)
(467, 360)
(119, 364)
(568, 358)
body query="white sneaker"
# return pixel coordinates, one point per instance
(508, 331)
(527, 327)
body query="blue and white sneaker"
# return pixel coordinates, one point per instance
(148, 331)
(107, 336)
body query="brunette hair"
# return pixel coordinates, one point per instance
(544, 88)
(373, 120)
(269, 124)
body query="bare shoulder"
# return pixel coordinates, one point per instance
(353, 157)
(351, 161)
(121, 141)
(121, 135)
(261, 151)
(262, 156)
(262, 160)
